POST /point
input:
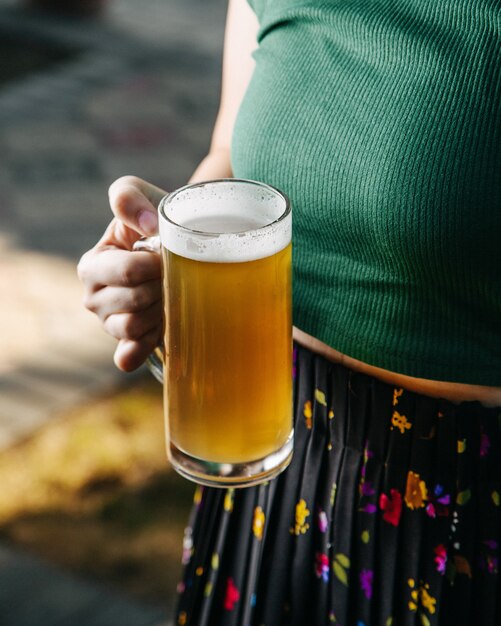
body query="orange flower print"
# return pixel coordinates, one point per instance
(462, 565)
(258, 523)
(400, 422)
(396, 395)
(416, 492)
(307, 412)
(302, 513)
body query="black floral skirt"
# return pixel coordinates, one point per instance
(389, 515)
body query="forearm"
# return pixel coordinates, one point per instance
(216, 164)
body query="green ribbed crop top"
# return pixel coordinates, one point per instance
(381, 119)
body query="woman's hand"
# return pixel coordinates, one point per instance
(123, 288)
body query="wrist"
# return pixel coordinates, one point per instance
(217, 164)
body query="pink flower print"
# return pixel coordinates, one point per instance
(180, 587)
(366, 578)
(322, 566)
(232, 595)
(369, 508)
(391, 507)
(440, 558)
(187, 546)
(492, 564)
(491, 560)
(322, 521)
(438, 503)
(485, 444)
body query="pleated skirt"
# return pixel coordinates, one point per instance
(388, 515)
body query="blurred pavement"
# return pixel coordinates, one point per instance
(137, 95)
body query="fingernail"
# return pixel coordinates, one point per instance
(148, 222)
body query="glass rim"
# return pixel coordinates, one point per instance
(164, 201)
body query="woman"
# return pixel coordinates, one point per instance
(381, 121)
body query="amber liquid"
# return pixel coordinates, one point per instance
(228, 345)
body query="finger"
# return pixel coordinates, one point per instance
(120, 268)
(129, 355)
(112, 300)
(118, 235)
(134, 202)
(134, 325)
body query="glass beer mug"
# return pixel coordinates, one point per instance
(226, 363)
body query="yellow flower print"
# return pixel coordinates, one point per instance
(215, 561)
(320, 397)
(258, 523)
(396, 395)
(301, 525)
(495, 497)
(416, 492)
(413, 602)
(400, 422)
(228, 501)
(427, 600)
(197, 496)
(208, 589)
(461, 446)
(421, 598)
(333, 493)
(341, 566)
(307, 412)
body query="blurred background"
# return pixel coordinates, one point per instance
(91, 516)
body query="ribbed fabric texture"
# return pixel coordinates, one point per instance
(381, 119)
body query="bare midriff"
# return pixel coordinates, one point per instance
(455, 392)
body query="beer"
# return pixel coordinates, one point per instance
(228, 348)
(227, 374)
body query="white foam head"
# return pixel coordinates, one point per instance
(225, 221)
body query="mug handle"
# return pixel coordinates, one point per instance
(155, 361)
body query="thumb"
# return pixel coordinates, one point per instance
(118, 235)
(134, 202)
